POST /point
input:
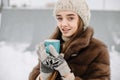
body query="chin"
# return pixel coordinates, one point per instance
(66, 35)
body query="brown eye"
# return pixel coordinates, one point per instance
(70, 18)
(59, 19)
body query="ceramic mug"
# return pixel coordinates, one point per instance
(54, 42)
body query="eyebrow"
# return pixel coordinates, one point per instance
(67, 15)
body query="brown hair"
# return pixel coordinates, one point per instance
(58, 35)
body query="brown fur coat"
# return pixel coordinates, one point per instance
(87, 57)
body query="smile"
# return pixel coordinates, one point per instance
(65, 30)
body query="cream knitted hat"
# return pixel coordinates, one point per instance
(78, 6)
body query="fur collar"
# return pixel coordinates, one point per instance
(81, 42)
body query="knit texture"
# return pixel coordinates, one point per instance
(78, 6)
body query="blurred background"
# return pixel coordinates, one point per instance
(25, 23)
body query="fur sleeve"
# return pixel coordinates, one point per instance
(100, 68)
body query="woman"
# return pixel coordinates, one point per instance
(81, 56)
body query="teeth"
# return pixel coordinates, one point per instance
(65, 29)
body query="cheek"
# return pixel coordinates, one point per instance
(58, 24)
(75, 28)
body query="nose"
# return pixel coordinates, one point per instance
(64, 23)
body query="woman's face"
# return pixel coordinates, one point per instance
(67, 22)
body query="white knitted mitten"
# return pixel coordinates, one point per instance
(45, 72)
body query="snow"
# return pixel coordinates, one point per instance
(15, 62)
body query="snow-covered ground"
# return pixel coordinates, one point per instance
(16, 63)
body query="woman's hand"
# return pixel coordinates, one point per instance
(45, 72)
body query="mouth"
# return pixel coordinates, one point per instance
(65, 30)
